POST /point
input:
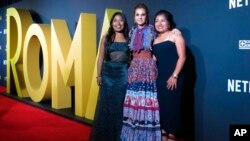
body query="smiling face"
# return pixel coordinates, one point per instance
(118, 23)
(161, 24)
(140, 16)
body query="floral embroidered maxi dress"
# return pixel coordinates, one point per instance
(141, 109)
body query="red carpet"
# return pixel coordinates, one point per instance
(19, 121)
(2, 89)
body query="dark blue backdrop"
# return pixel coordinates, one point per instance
(218, 89)
(213, 30)
(2, 47)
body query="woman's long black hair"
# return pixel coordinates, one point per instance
(111, 33)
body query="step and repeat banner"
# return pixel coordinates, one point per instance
(218, 36)
(2, 47)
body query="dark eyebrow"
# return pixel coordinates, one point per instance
(143, 14)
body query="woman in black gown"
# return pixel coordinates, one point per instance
(112, 79)
(169, 50)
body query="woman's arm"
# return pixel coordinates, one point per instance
(181, 51)
(100, 60)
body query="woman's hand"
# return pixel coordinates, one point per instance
(154, 58)
(172, 83)
(99, 80)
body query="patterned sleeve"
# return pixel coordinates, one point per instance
(130, 34)
(154, 33)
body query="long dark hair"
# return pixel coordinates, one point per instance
(110, 37)
(143, 6)
(169, 17)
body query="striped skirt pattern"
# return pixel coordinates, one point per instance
(141, 109)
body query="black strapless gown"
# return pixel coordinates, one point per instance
(169, 101)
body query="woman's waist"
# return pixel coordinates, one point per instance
(109, 62)
(142, 54)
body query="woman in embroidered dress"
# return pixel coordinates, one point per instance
(112, 79)
(141, 109)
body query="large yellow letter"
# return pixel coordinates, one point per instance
(18, 21)
(37, 75)
(77, 70)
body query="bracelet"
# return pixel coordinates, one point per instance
(175, 76)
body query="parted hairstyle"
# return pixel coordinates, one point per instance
(169, 17)
(110, 37)
(143, 6)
